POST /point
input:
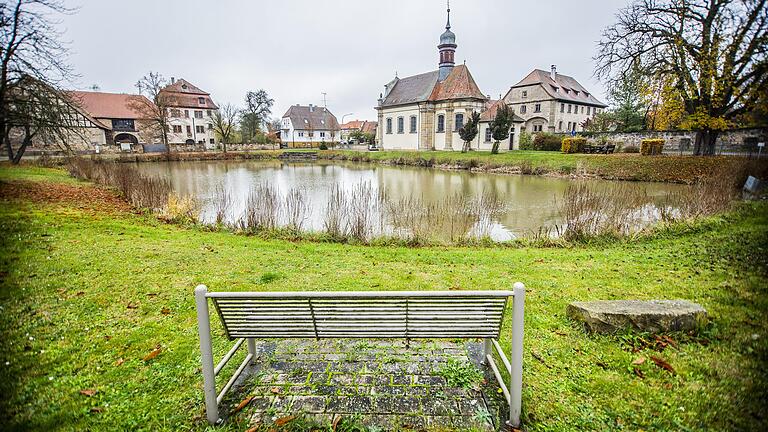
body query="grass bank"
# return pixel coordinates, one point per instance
(89, 288)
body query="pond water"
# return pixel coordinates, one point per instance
(522, 204)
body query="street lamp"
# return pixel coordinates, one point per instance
(342, 122)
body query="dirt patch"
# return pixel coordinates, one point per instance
(85, 197)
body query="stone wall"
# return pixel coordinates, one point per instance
(728, 141)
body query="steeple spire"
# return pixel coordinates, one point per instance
(448, 25)
(447, 48)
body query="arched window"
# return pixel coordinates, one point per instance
(412, 125)
(389, 125)
(459, 121)
(400, 125)
(441, 123)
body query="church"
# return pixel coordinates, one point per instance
(426, 111)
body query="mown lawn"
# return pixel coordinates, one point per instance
(88, 289)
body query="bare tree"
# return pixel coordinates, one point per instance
(32, 55)
(154, 105)
(713, 50)
(225, 122)
(258, 107)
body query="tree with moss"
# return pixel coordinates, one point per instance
(500, 126)
(714, 52)
(468, 132)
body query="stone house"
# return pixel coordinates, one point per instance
(191, 114)
(552, 102)
(425, 111)
(305, 126)
(118, 112)
(484, 140)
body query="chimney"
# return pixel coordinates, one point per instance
(173, 80)
(553, 73)
(311, 108)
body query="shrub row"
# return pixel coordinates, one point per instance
(573, 145)
(651, 146)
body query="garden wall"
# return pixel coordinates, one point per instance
(731, 141)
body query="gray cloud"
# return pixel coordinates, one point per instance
(297, 49)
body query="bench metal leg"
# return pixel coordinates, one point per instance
(516, 357)
(252, 349)
(206, 354)
(487, 349)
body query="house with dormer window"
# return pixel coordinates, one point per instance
(309, 126)
(191, 114)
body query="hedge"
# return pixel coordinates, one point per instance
(573, 145)
(651, 146)
(546, 142)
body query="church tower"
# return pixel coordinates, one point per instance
(447, 49)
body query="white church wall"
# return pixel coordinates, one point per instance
(405, 140)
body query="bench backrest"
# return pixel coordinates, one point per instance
(366, 314)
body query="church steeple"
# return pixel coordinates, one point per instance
(447, 48)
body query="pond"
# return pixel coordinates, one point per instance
(396, 200)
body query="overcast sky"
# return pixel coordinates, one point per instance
(298, 49)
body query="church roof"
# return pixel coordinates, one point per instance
(412, 89)
(562, 88)
(459, 84)
(314, 118)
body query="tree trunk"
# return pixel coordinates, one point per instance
(6, 137)
(710, 142)
(27, 139)
(698, 141)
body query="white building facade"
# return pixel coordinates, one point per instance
(309, 126)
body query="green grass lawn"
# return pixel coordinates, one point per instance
(84, 288)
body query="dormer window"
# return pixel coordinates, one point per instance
(184, 86)
(567, 91)
(576, 92)
(306, 121)
(525, 93)
(586, 94)
(201, 101)
(555, 88)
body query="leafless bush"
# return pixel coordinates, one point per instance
(363, 206)
(141, 191)
(335, 217)
(590, 211)
(262, 209)
(710, 196)
(297, 209)
(221, 204)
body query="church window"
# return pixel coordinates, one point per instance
(389, 125)
(441, 123)
(523, 109)
(412, 124)
(588, 110)
(459, 121)
(562, 107)
(400, 125)
(537, 108)
(488, 134)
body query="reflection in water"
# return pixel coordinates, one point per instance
(527, 203)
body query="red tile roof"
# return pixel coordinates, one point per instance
(459, 84)
(183, 94)
(108, 105)
(353, 124)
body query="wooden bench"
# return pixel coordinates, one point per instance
(247, 316)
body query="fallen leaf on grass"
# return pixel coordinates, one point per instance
(132, 305)
(165, 311)
(663, 364)
(88, 392)
(97, 409)
(638, 372)
(284, 420)
(79, 293)
(243, 404)
(120, 361)
(335, 423)
(559, 333)
(275, 390)
(638, 361)
(153, 354)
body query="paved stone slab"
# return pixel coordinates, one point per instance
(656, 316)
(379, 383)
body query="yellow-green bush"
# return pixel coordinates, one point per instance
(653, 146)
(573, 145)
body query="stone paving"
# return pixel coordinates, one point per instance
(382, 384)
